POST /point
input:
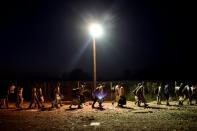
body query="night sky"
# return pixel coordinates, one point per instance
(142, 39)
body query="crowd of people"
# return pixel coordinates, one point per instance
(14, 93)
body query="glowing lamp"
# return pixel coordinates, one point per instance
(95, 30)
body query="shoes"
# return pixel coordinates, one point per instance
(120, 105)
(145, 105)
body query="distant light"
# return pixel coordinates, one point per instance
(95, 124)
(100, 97)
(95, 30)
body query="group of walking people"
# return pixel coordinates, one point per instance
(78, 96)
(15, 94)
(98, 94)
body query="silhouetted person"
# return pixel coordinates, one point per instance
(12, 92)
(76, 98)
(121, 95)
(98, 96)
(40, 96)
(139, 95)
(34, 99)
(186, 94)
(158, 92)
(4, 99)
(113, 95)
(19, 101)
(57, 94)
(82, 90)
(194, 92)
(177, 89)
(166, 93)
(116, 93)
(4, 91)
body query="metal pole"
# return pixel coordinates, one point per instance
(94, 62)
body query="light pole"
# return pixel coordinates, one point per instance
(95, 31)
(94, 62)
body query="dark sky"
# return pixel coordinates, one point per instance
(145, 39)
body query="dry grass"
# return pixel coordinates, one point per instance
(156, 117)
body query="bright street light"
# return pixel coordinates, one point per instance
(95, 31)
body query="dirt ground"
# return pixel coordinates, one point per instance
(157, 117)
